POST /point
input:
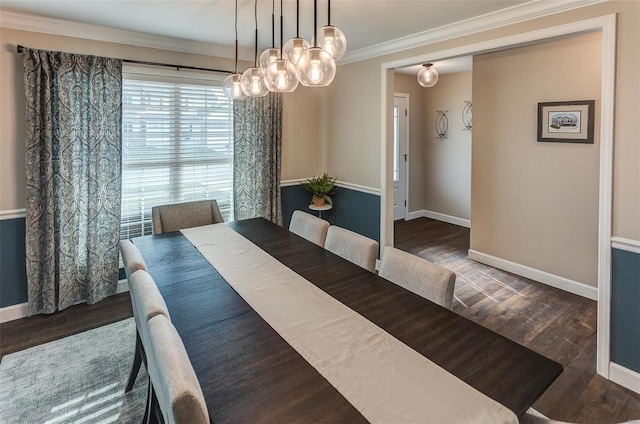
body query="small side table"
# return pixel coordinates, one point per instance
(320, 208)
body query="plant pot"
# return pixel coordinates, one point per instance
(318, 201)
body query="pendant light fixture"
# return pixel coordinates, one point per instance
(271, 54)
(428, 75)
(280, 76)
(315, 67)
(294, 47)
(252, 80)
(231, 85)
(330, 38)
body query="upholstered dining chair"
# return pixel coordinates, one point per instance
(147, 302)
(131, 257)
(353, 247)
(418, 275)
(173, 381)
(176, 216)
(310, 227)
(133, 261)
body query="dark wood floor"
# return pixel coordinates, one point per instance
(554, 323)
(28, 332)
(557, 324)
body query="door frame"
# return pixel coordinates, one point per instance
(605, 24)
(406, 149)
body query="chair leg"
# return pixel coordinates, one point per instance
(137, 360)
(147, 417)
(154, 412)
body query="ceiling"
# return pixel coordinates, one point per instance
(366, 23)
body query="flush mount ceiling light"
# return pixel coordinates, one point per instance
(271, 54)
(293, 48)
(252, 80)
(315, 67)
(280, 75)
(428, 75)
(231, 86)
(330, 38)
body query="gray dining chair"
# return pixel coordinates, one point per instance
(147, 302)
(177, 216)
(353, 247)
(418, 275)
(309, 227)
(173, 381)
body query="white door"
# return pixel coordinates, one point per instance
(400, 113)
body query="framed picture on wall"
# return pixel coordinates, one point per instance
(566, 122)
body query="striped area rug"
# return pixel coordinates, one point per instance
(77, 379)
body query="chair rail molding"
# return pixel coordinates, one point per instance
(343, 184)
(625, 244)
(13, 214)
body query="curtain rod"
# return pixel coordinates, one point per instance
(168, 65)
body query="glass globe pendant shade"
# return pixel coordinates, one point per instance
(315, 68)
(252, 83)
(428, 76)
(268, 57)
(332, 40)
(280, 77)
(294, 48)
(232, 87)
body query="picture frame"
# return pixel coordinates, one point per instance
(566, 122)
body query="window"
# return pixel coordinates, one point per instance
(177, 144)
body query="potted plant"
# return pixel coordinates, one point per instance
(321, 189)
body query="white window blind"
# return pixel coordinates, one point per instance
(177, 145)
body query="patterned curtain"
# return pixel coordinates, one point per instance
(257, 128)
(73, 162)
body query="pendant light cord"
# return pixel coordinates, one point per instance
(328, 12)
(281, 26)
(297, 18)
(315, 23)
(236, 28)
(273, 24)
(255, 14)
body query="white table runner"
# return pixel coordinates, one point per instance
(384, 379)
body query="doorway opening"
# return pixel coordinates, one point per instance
(604, 24)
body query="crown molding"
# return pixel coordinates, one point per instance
(512, 15)
(35, 23)
(530, 10)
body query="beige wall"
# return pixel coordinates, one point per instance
(533, 203)
(300, 133)
(408, 84)
(353, 141)
(350, 137)
(447, 162)
(301, 109)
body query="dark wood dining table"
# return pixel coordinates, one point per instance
(248, 373)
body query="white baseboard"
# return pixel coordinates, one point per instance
(10, 313)
(123, 286)
(552, 280)
(462, 222)
(624, 377)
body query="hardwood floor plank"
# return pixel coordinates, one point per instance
(31, 331)
(557, 324)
